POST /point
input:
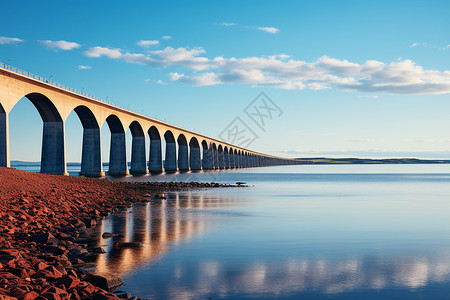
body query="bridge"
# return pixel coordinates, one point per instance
(184, 149)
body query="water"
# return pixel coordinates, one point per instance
(297, 232)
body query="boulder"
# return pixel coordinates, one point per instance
(106, 282)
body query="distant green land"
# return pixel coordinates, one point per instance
(326, 161)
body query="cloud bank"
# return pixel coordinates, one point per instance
(7, 40)
(284, 72)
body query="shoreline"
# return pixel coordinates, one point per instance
(44, 222)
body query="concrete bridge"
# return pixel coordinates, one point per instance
(184, 150)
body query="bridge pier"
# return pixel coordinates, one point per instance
(232, 162)
(53, 156)
(138, 159)
(195, 160)
(118, 155)
(170, 164)
(183, 158)
(155, 159)
(226, 159)
(4, 138)
(207, 162)
(91, 161)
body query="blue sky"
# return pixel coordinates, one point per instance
(353, 78)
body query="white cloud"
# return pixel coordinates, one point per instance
(147, 43)
(228, 24)
(368, 96)
(166, 37)
(103, 51)
(269, 29)
(62, 45)
(7, 40)
(84, 67)
(445, 47)
(158, 81)
(417, 44)
(284, 72)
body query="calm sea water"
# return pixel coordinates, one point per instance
(297, 232)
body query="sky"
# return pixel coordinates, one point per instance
(348, 78)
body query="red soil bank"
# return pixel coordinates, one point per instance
(44, 217)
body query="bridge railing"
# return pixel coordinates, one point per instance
(64, 87)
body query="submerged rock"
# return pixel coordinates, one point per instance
(106, 282)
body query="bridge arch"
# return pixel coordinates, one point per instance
(91, 156)
(195, 162)
(170, 163)
(138, 157)
(53, 157)
(183, 153)
(155, 157)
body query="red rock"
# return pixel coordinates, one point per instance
(68, 281)
(29, 296)
(5, 297)
(50, 296)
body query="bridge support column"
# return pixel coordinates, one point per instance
(4, 139)
(155, 159)
(215, 156)
(195, 161)
(207, 162)
(53, 156)
(226, 160)
(170, 164)
(91, 161)
(232, 161)
(220, 159)
(138, 159)
(183, 158)
(118, 155)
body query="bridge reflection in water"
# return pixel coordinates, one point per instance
(157, 225)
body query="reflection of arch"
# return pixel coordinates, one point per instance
(53, 160)
(4, 140)
(155, 158)
(91, 156)
(194, 154)
(138, 159)
(183, 153)
(170, 163)
(117, 150)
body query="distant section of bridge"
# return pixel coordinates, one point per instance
(184, 150)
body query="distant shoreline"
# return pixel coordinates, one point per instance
(363, 161)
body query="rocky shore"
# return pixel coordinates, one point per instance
(44, 222)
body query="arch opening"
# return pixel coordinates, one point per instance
(195, 162)
(91, 158)
(4, 138)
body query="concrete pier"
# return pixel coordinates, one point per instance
(155, 158)
(220, 159)
(183, 158)
(53, 155)
(138, 157)
(170, 163)
(226, 159)
(118, 155)
(91, 157)
(195, 160)
(207, 162)
(4, 138)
